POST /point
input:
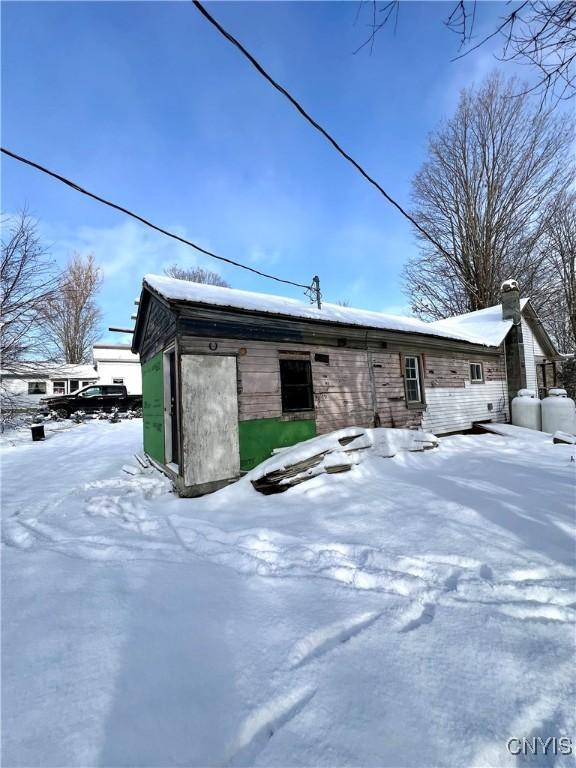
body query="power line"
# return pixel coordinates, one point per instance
(314, 124)
(120, 208)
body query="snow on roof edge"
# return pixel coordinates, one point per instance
(173, 289)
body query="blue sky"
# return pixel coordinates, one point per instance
(146, 104)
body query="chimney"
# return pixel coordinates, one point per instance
(510, 301)
(514, 343)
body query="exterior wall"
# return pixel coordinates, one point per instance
(531, 350)
(357, 387)
(131, 373)
(117, 361)
(153, 406)
(18, 386)
(454, 403)
(391, 405)
(258, 438)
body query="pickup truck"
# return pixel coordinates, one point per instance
(92, 399)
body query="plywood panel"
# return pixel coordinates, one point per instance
(209, 408)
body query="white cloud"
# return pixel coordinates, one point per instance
(125, 247)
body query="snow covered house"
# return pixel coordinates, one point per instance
(228, 376)
(111, 364)
(32, 381)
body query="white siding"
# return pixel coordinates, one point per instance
(130, 372)
(531, 349)
(450, 409)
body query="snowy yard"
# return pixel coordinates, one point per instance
(415, 611)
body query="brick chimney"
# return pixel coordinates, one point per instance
(514, 343)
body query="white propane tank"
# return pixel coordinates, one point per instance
(526, 410)
(558, 412)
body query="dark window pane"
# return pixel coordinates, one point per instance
(296, 383)
(36, 387)
(412, 390)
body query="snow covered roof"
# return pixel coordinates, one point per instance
(56, 371)
(484, 324)
(184, 290)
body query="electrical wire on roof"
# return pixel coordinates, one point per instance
(315, 124)
(147, 223)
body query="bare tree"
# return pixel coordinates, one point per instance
(537, 33)
(27, 282)
(196, 275)
(559, 249)
(491, 171)
(71, 315)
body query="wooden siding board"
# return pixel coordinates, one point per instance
(343, 392)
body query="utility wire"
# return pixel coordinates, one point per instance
(145, 221)
(314, 124)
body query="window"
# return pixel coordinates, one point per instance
(59, 387)
(476, 373)
(296, 384)
(74, 384)
(319, 358)
(36, 387)
(112, 391)
(91, 392)
(117, 381)
(86, 383)
(412, 379)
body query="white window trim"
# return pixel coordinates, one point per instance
(474, 380)
(416, 379)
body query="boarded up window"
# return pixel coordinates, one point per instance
(296, 384)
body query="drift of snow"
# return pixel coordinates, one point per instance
(184, 290)
(414, 611)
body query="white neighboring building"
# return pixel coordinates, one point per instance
(117, 364)
(112, 364)
(45, 380)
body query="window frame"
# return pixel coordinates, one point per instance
(61, 382)
(421, 403)
(39, 384)
(286, 358)
(117, 382)
(481, 380)
(90, 397)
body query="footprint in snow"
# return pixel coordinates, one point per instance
(326, 638)
(425, 616)
(486, 572)
(261, 724)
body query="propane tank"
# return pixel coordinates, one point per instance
(558, 412)
(526, 410)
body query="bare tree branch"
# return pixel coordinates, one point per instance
(196, 275)
(483, 193)
(71, 315)
(538, 33)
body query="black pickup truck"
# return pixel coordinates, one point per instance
(91, 399)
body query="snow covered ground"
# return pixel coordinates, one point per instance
(415, 611)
